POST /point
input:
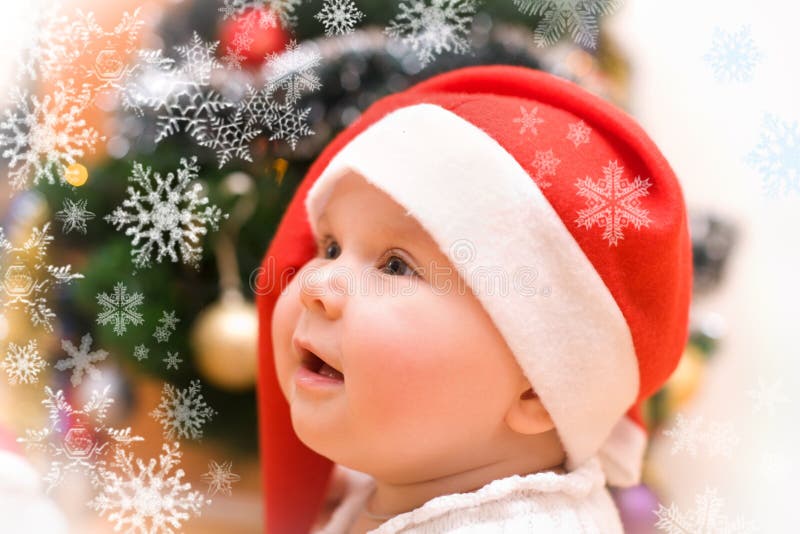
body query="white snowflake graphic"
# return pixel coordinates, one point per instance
(339, 17)
(777, 156)
(41, 137)
(102, 61)
(183, 412)
(717, 439)
(23, 363)
(148, 498)
(120, 308)
(284, 9)
(545, 164)
(167, 326)
(191, 109)
(289, 124)
(172, 360)
(528, 120)
(706, 518)
(199, 60)
(578, 133)
(733, 55)
(231, 136)
(141, 352)
(77, 440)
(168, 215)
(49, 47)
(180, 92)
(162, 334)
(613, 203)
(169, 320)
(81, 361)
(74, 215)
(767, 397)
(430, 27)
(26, 277)
(293, 71)
(284, 121)
(245, 31)
(220, 478)
(579, 17)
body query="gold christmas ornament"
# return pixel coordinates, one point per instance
(224, 339)
(224, 335)
(684, 382)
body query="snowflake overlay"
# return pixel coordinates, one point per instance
(148, 498)
(168, 324)
(183, 412)
(545, 164)
(172, 360)
(263, 18)
(777, 156)
(578, 133)
(81, 361)
(180, 94)
(49, 48)
(23, 363)
(706, 518)
(77, 440)
(103, 62)
(141, 352)
(767, 397)
(190, 105)
(613, 203)
(120, 308)
(339, 17)
(528, 120)
(289, 124)
(26, 277)
(284, 9)
(733, 55)
(220, 478)
(166, 215)
(557, 16)
(293, 71)
(74, 215)
(687, 434)
(430, 27)
(40, 138)
(231, 135)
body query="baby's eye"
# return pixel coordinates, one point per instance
(397, 261)
(394, 263)
(327, 245)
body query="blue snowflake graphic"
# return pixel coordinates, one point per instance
(777, 155)
(733, 55)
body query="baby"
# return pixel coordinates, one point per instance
(471, 294)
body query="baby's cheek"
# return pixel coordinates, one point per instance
(284, 321)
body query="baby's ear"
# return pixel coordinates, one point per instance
(527, 414)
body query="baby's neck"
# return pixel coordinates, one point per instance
(393, 499)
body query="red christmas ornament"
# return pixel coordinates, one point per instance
(248, 38)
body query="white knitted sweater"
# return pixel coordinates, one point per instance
(575, 502)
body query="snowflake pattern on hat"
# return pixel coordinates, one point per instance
(613, 203)
(545, 164)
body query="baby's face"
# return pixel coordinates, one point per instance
(428, 380)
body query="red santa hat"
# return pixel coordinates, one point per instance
(513, 168)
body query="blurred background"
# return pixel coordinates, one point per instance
(254, 90)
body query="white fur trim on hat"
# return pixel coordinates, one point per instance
(24, 506)
(572, 343)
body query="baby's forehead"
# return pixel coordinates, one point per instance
(383, 222)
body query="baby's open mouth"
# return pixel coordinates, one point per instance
(314, 363)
